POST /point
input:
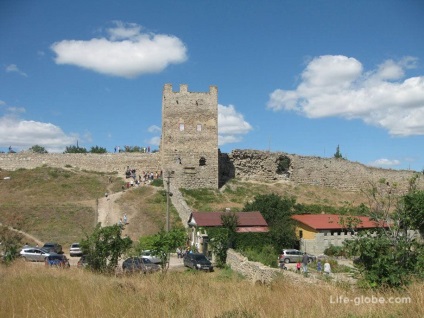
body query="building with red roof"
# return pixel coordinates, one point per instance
(316, 232)
(199, 222)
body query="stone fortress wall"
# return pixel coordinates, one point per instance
(240, 164)
(108, 163)
(328, 172)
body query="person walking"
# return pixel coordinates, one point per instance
(327, 268)
(305, 261)
(319, 267)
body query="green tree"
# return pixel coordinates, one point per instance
(104, 247)
(414, 210)
(338, 154)
(38, 149)
(10, 243)
(277, 211)
(390, 256)
(218, 239)
(230, 221)
(164, 243)
(75, 149)
(97, 149)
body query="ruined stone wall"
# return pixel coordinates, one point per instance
(253, 271)
(329, 172)
(242, 164)
(189, 144)
(109, 162)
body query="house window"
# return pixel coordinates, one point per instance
(181, 127)
(202, 161)
(300, 234)
(199, 127)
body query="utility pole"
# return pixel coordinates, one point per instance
(168, 195)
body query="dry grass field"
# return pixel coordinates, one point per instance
(30, 290)
(60, 204)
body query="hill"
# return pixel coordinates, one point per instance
(55, 204)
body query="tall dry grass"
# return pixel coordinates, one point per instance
(30, 290)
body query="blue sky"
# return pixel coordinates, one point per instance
(300, 77)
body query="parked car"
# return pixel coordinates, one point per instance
(293, 256)
(75, 250)
(147, 254)
(139, 264)
(34, 254)
(197, 261)
(83, 261)
(53, 247)
(58, 260)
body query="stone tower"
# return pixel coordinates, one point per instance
(189, 144)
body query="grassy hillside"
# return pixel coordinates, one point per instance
(51, 204)
(236, 193)
(60, 204)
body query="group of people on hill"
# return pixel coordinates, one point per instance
(132, 149)
(123, 221)
(304, 265)
(143, 176)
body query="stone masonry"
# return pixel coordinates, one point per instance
(189, 143)
(327, 172)
(241, 164)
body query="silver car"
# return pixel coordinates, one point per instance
(147, 254)
(293, 256)
(75, 250)
(34, 254)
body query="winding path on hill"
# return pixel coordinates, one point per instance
(27, 235)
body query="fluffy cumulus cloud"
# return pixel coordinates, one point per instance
(339, 86)
(231, 125)
(22, 134)
(385, 163)
(125, 52)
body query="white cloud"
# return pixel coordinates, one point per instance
(231, 125)
(154, 129)
(154, 141)
(384, 163)
(338, 86)
(127, 52)
(12, 68)
(23, 134)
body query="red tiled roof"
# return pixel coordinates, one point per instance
(331, 221)
(245, 220)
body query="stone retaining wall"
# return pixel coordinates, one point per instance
(253, 271)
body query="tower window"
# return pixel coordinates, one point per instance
(181, 127)
(202, 161)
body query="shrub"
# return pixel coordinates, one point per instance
(98, 149)
(283, 164)
(38, 149)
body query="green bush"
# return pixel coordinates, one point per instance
(98, 149)
(283, 164)
(266, 255)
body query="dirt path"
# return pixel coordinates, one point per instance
(27, 235)
(109, 212)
